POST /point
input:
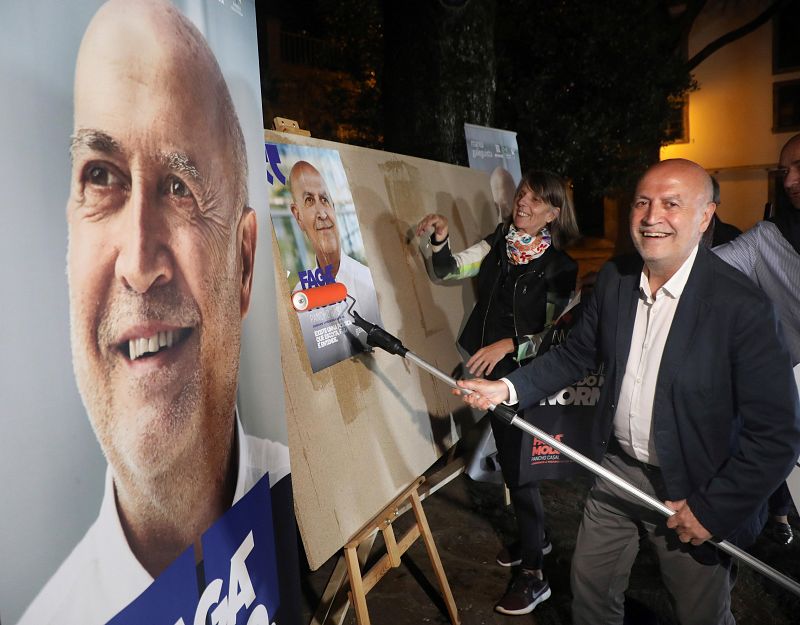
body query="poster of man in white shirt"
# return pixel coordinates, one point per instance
(320, 243)
(194, 506)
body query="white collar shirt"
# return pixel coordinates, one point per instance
(633, 419)
(102, 575)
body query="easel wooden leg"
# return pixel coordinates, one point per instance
(433, 554)
(334, 603)
(357, 595)
(332, 606)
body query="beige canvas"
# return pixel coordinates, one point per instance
(362, 430)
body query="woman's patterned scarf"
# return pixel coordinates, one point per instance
(522, 247)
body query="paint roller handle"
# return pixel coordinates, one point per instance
(393, 345)
(378, 337)
(506, 413)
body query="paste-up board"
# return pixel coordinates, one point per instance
(361, 430)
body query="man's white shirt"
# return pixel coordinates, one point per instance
(102, 575)
(633, 419)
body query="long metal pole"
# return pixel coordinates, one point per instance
(776, 576)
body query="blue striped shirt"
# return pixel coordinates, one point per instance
(768, 259)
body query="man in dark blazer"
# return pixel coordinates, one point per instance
(694, 410)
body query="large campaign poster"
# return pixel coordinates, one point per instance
(144, 470)
(495, 151)
(322, 251)
(489, 148)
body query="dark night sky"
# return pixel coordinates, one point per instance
(296, 15)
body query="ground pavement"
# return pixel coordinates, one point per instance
(470, 523)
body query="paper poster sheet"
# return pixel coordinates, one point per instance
(495, 151)
(489, 148)
(144, 465)
(320, 244)
(238, 564)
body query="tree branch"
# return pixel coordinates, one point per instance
(738, 33)
(693, 8)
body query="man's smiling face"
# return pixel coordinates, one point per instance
(155, 262)
(671, 209)
(790, 167)
(314, 211)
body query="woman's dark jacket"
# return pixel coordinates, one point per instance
(530, 297)
(525, 292)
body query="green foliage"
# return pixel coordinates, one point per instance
(439, 73)
(588, 85)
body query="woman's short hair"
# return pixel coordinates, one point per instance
(554, 190)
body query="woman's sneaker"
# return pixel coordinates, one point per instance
(512, 555)
(524, 593)
(779, 532)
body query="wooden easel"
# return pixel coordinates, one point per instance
(334, 604)
(283, 124)
(360, 584)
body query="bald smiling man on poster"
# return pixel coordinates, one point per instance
(160, 269)
(314, 211)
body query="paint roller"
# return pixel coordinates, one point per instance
(319, 296)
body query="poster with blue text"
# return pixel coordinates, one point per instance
(144, 466)
(320, 244)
